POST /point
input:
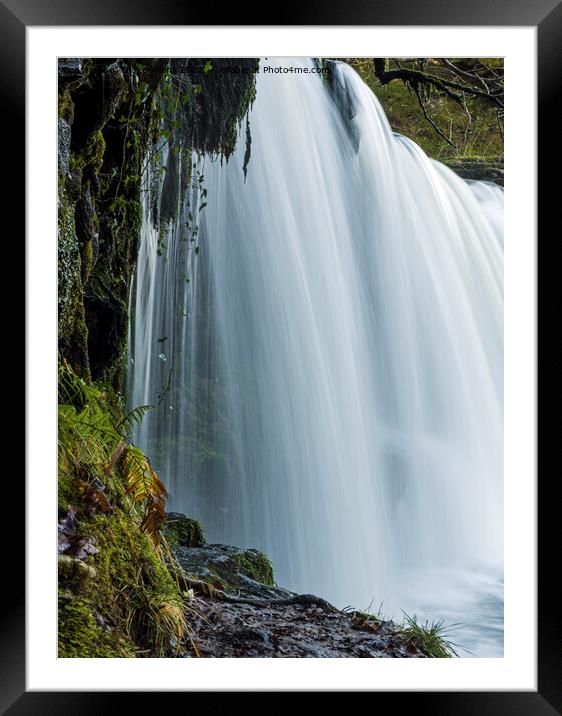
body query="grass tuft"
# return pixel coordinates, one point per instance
(430, 637)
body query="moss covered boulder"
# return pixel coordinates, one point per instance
(182, 531)
(228, 568)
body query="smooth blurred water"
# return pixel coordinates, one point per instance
(336, 358)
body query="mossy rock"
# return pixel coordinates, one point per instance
(74, 573)
(93, 153)
(63, 146)
(182, 531)
(73, 333)
(226, 567)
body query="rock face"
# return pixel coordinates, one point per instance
(64, 146)
(293, 629)
(99, 209)
(111, 119)
(231, 569)
(238, 611)
(478, 169)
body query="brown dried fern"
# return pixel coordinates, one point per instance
(145, 489)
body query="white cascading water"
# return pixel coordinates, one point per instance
(335, 355)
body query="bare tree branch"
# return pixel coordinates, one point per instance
(459, 80)
(456, 90)
(430, 120)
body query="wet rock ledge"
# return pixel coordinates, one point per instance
(478, 169)
(237, 610)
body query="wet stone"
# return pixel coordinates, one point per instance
(252, 619)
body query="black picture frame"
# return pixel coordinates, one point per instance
(546, 15)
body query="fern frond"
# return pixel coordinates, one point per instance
(74, 390)
(145, 488)
(134, 417)
(88, 437)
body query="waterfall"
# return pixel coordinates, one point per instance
(327, 336)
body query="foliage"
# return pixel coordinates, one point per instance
(88, 436)
(134, 586)
(430, 637)
(119, 501)
(145, 488)
(445, 121)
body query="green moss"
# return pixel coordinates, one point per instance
(256, 565)
(67, 491)
(91, 156)
(109, 284)
(73, 334)
(76, 162)
(130, 576)
(94, 151)
(66, 105)
(87, 261)
(228, 566)
(128, 582)
(79, 635)
(183, 531)
(132, 590)
(68, 264)
(75, 574)
(126, 215)
(113, 401)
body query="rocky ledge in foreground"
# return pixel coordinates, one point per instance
(238, 611)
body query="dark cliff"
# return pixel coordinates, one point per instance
(114, 114)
